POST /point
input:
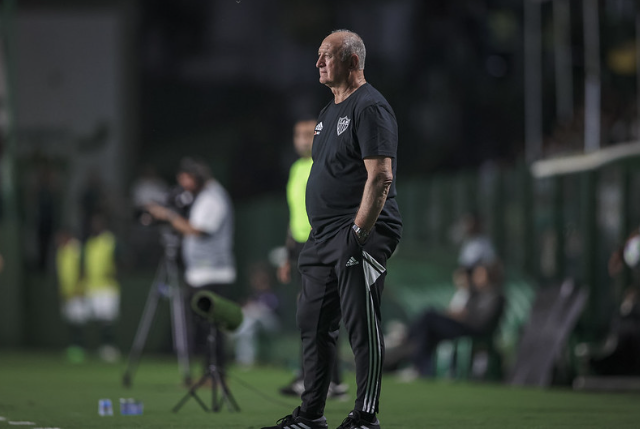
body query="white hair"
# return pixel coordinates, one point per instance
(352, 44)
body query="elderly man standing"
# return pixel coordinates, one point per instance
(356, 226)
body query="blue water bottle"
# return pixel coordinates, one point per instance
(105, 407)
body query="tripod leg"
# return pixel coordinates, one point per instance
(217, 377)
(217, 381)
(226, 394)
(143, 329)
(212, 368)
(179, 323)
(192, 392)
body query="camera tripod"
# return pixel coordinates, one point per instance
(165, 284)
(216, 377)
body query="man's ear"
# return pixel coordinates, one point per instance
(354, 62)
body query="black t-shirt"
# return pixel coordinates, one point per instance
(364, 125)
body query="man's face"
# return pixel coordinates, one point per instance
(333, 71)
(187, 181)
(303, 137)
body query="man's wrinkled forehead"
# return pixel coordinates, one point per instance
(331, 43)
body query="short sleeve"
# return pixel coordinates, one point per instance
(377, 132)
(207, 213)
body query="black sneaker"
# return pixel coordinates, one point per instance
(355, 421)
(295, 421)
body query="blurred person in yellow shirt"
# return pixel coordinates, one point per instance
(71, 291)
(101, 284)
(298, 233)
(88, 288)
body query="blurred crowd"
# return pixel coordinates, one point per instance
(618, 124)
(110, 238)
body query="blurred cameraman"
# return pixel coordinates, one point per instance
(207, 244)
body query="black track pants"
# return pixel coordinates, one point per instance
(342, 280)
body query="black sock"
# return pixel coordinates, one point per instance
(368, 417)
(309, 416)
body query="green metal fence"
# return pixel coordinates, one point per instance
(544, 230)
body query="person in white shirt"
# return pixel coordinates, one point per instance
(207, 244)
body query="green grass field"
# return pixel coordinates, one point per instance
(46, 390)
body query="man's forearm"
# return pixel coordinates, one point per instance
(182, 225)
(374, 196)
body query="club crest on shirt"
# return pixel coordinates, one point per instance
(318, 129)
(343, 124)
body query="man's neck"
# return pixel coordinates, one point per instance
(342, 92)
(200, 188)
